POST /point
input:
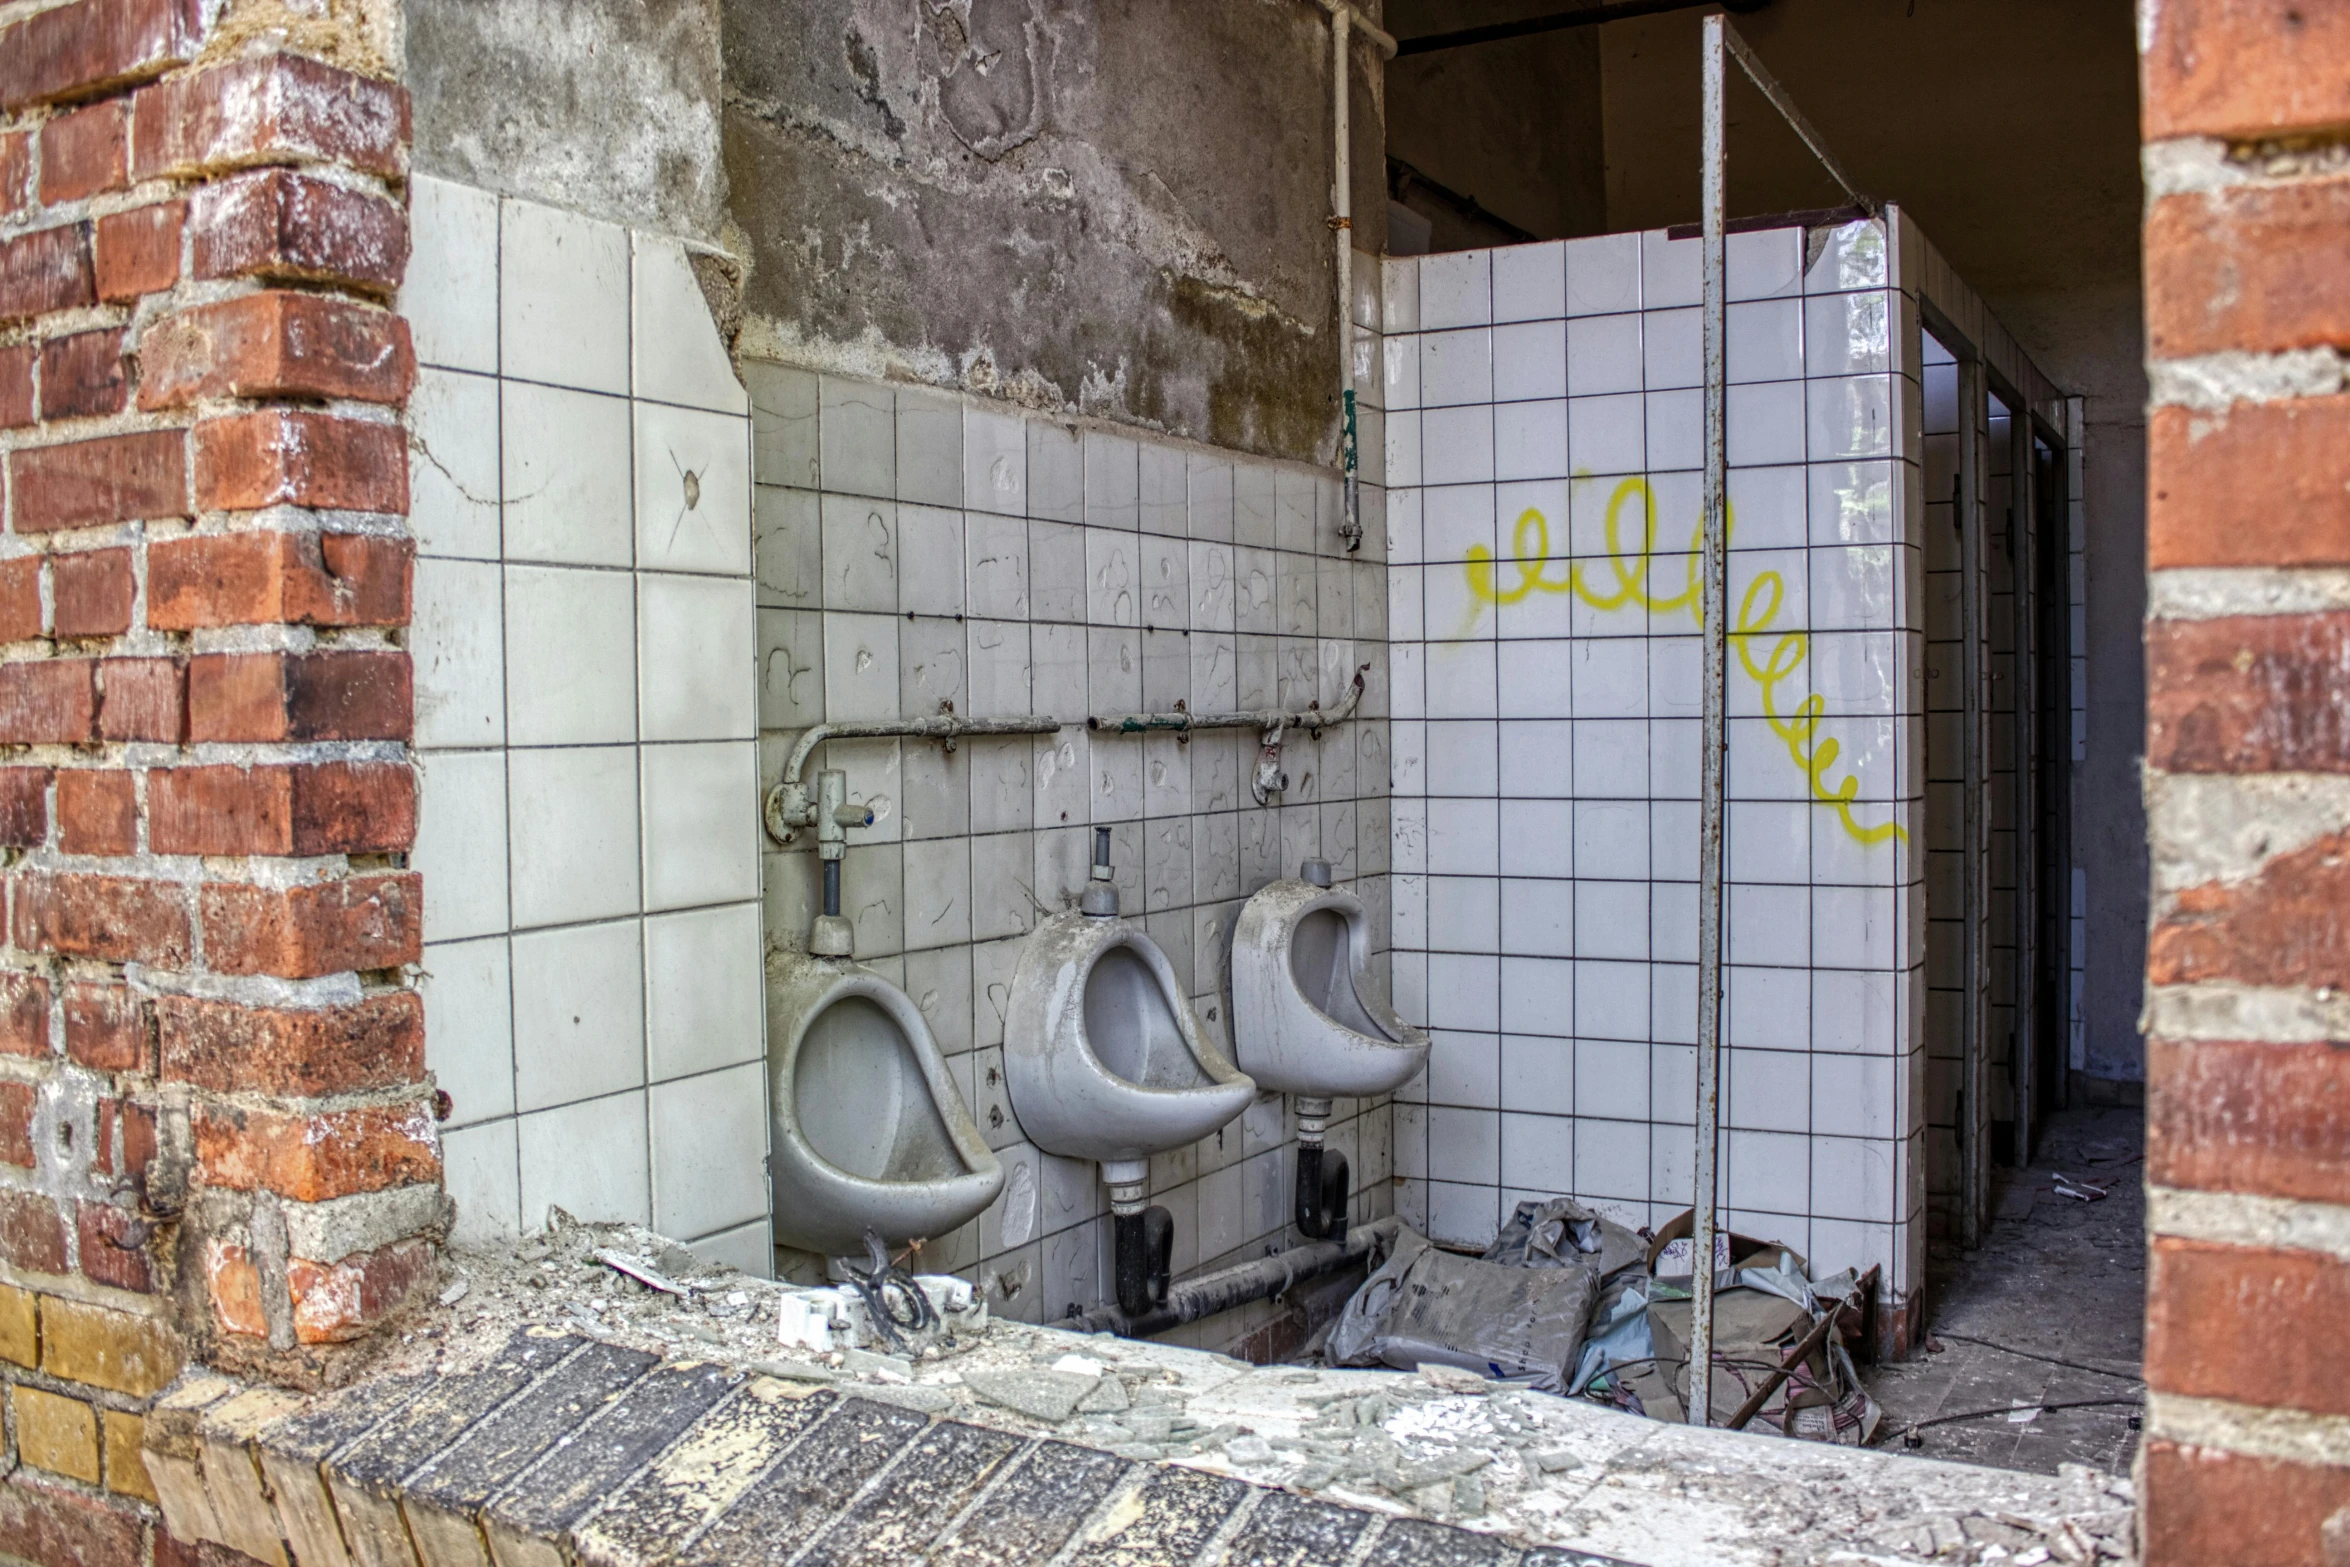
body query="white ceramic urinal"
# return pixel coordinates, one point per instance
(1306, 1023)
(1105, 1060)
(1304, 1020)
(870, 1132)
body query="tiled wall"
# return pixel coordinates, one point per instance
(1546, 717)
(584, 648)
(915, 549)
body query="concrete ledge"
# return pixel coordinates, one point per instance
(559, 1449)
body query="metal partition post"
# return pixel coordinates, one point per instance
(1721, 44)
(1714, 749)
(1974, 438)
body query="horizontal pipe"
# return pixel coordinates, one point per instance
(1189, 1300)
(1271, 719)
(1555, 21)
(945, 726)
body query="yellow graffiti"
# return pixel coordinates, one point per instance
(1627, 580)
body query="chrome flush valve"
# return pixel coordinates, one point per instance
(1100, 898)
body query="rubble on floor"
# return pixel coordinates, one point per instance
(1519, 1468)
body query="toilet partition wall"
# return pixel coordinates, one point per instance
(1545, 446)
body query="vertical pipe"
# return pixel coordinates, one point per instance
(1714, 753)
(1342, 225)
(1973, 438)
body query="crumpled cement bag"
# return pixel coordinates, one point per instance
(1562, 1233)
(1423, 1306)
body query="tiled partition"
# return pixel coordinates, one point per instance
(917, 550)
(1543, 452)
(586, 714)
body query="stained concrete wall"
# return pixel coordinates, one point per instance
(1106, 206)
(2008, 129)
(606, 107)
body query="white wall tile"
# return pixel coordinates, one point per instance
(479, 1169)
(467, 988)
(457, 651)
(572, 814)
(563, 298)
(1530, 282)
(930, 560)
(1603, 274)
(1764, 263)
(579, 1026)
(1456, 289)
(929, 448)
(857, 436)
(697, 647)
(566, 476)
(1056, 472)
(995, 462)
(453, 466)
(693, 491)
(589, 1159)
(703, 989)
(1671, 270)
(461, 842)
(450, 294)
(709, 1151)
(680, 358)
(570, 656)
(701, 813)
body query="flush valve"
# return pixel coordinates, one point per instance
(1100, 898)
(833, 816)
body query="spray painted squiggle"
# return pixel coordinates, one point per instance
(1632, 570)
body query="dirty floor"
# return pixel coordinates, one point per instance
(2057, 1278)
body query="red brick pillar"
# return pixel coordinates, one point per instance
(216, 1138)
(2247, 125)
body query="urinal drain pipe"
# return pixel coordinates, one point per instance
(1143, 1241)
(1323, 1197)
(1210, 1293)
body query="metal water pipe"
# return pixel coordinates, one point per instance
(1268, 779)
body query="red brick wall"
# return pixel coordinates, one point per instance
(216, 1137)
(2247, 125)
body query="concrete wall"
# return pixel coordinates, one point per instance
(606, 107)
(1516, 125)
(2007, 129)
(1106, 206)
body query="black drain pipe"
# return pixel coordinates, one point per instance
(1209, 1293)
(1322, 1194)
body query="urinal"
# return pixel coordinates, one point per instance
(1105, 1060)
(1304, 1022)
(871, 1136)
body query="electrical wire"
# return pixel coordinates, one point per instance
(1916, 1426)
(2052, 1360)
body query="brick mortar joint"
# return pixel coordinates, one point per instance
(2201, 165)
(2248, 1219)
(2215, 383)
(2180, 593)
(2256, 1431)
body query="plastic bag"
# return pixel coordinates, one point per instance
(1423, 1306)
(1563, 1233)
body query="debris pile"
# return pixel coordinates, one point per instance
(1566, 1301)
